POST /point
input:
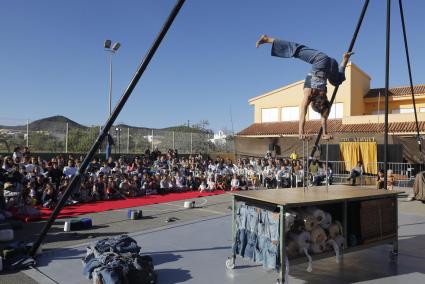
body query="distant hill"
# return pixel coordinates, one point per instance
(184, 128)
(56, 125)
(52, 124)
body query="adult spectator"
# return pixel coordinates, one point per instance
(356, 172)
(70, 170)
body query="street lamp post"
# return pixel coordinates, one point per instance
(118, 131)
(111, 49)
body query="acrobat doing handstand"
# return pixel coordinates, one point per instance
(323, 68)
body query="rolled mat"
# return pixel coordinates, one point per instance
(327, 221)
(335, 229)
(302, 239)
(289, 221)
(309, 221)
(318, 235)
(292, 248)
(335, 247)
(310, 261)
(339, 241)
(318, 214)
(317, 248)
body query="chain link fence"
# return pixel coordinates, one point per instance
(68, 137)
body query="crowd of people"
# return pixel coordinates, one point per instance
(26, 179)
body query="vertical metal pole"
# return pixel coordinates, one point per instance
(28, 133)
(191, 142)
(208, 142)
(308, 165)
(234, 225)
(174, 146)
(395, 244)
(345, 218)
(387, 76)
(152, 141)
(100, 131)
(66, 137)
(282, 242)
(110, 83)
(119, 141)
(128, 140)
(327, 165)
(304, 166)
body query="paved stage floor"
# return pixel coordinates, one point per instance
(193, 249)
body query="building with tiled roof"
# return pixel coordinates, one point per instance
(357, 112)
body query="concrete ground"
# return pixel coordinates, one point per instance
(205, 231)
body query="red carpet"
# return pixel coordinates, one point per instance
(100, 206)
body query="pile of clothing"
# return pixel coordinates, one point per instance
(118, 260)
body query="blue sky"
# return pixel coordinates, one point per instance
(52, 59)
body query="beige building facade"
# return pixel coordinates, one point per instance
(357, 112)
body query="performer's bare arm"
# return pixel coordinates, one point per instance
(303, 112)
(324, 121)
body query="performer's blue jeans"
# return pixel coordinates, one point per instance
(323, 66)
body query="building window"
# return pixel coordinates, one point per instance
(312, 115)
(337, 111)
(381, 111)
(403, 110)
(269, 114)
(290, 113)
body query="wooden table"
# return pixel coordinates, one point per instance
(340, 195)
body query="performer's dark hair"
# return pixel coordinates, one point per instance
(319, 102)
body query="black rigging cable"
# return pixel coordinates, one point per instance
(350, 49)
(406, 48)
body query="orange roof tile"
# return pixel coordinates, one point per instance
(334, 126)
(398, 91)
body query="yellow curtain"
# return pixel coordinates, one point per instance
(352, 152)
(369, 152)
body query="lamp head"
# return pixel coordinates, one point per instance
(107, 44)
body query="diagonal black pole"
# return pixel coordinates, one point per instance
(76, 179)
(387, 79)
(406, 48)
(350, 49)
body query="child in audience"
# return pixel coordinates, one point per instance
(235, 183)
(380, 180)
(390, 180)
(190, 183)
(211, 184)
(48, 196)
(203, 186)
(180, 182)
(112, 191)
(99, 187)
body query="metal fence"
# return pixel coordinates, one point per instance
(64, 137)
(404, 173)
